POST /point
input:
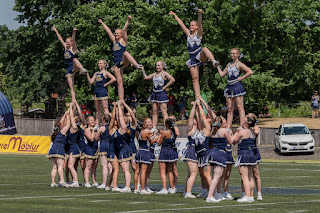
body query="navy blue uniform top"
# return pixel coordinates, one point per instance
(72, 137)
(169, 142)
(246, 143)
(219, 143)
(143, 144)
(100, 80)
(118, 50)
(69, 56)
(105, 137)
(60, 138)
(190, 141)
(132, 134)
(121, 140)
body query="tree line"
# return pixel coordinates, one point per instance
(279, 40)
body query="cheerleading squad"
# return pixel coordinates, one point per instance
(76, 139)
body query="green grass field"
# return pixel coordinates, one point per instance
(25, 180)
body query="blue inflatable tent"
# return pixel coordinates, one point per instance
(7, 125)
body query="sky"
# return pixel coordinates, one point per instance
(7, 14)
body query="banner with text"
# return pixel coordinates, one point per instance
(25, 144)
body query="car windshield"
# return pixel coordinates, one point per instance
(295, 130)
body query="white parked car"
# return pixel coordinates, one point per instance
(294, 137)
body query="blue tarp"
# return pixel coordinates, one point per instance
(7, 125)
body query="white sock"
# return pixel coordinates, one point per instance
(75, 181)
(259, 194)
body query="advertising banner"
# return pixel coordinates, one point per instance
(25, 144)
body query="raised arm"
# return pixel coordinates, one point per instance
(210, 111)
(207, 126)
(123, 125)
(66, 127)
(200, 29)
(112, 79)
(124, 30)
(89, 133)
(83, 120)
(183, 27)
(91, 80)
(74, 127)
(191, 117)
(106, 28)
(147, 77)
(246, 69)
(224, 72)
(134, 120)
(170, 78)
(74, 44)
(59, 37)
(113, 117)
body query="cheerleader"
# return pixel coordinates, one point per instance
(57, 151)
(218, 156)
(175, 169)
(120, 152)
(131, 122)
(143, 157)
(91, 160)
(159, 97)
(74, 150)
(100, 96)
(81, 139)
(201, 136)
(246, 158)
(121, 57)
(234, 91)
(73, 64)
(197, 54)
(167, 156)
(255, 168)
(190, 155)
(104, 137)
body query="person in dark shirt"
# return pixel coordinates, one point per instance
(264, 112)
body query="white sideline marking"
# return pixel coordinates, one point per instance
(178, 204)
(253, 209)
(68, 198)
(95, 201)
(301, 186)
(299, 211)
(136, 202)
(306, 170)
(212, 207)
(57, 196)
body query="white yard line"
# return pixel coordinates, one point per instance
(57, 196)
(212, 207)
(136, 203)
(67, 198)
(95, 201)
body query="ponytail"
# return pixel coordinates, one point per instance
(170, 123)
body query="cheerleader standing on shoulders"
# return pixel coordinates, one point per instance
(143, 157)
(100, 96)
(234, 91)
(218, 156)
(91, 160)
(74, 149)
(201, 135)
(73, 64)
(190, 155)
(246, 158)
(121, 57)
(159, 97)
(57, 152)
(197, 54)
(167, 156)
(103, 135)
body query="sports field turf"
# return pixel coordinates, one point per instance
(25, 180)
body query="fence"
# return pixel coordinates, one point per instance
(29, 126)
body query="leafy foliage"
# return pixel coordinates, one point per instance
(279, 40)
